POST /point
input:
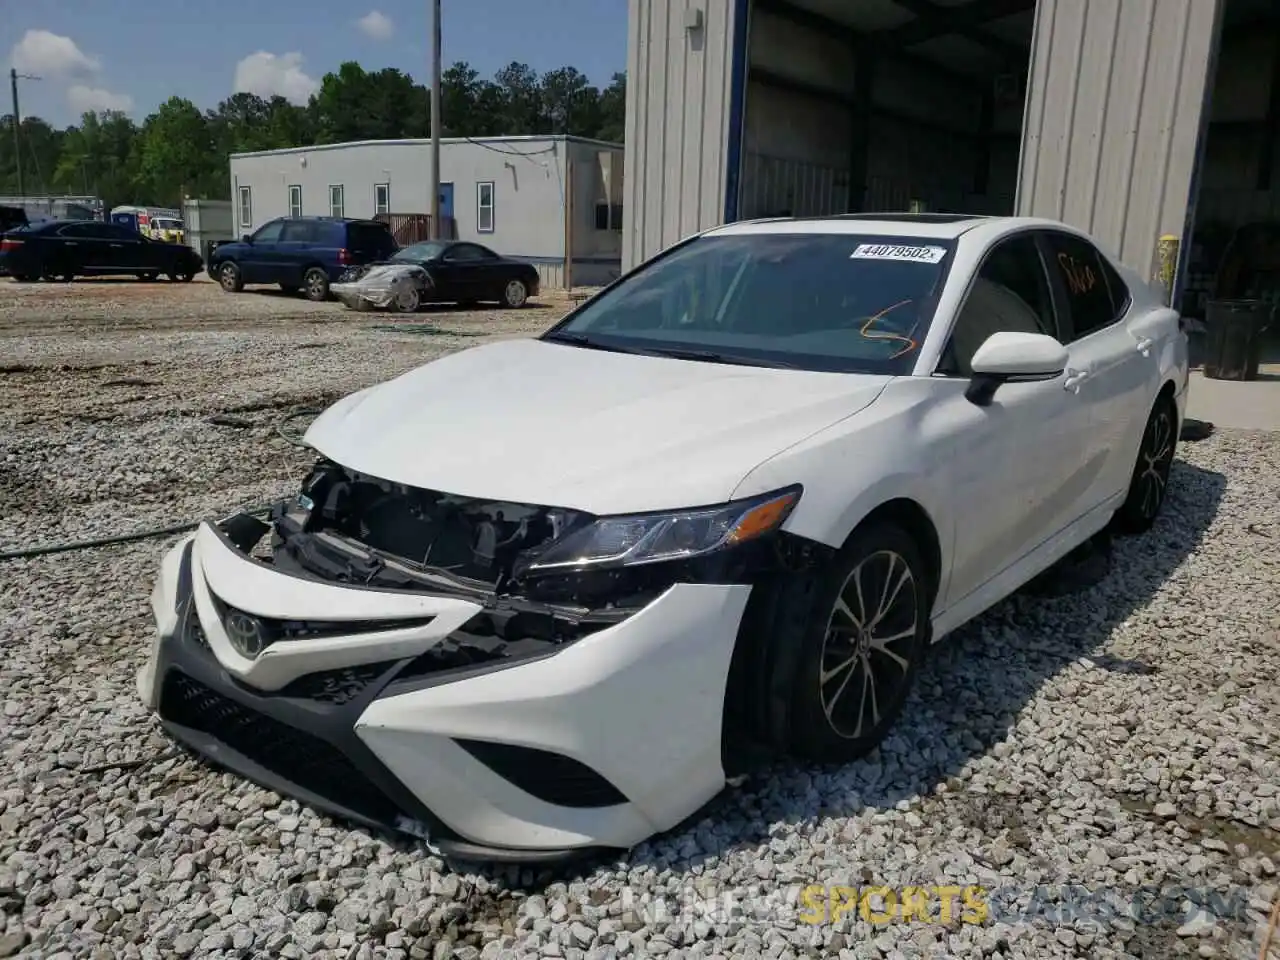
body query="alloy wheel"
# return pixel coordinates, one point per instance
(859, 669)
(316, 286)
(407, 300)
(1156, 462)
(227, 276)
(516, 294)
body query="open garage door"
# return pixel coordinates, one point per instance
(882, 105)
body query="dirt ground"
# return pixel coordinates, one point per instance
(167, 395)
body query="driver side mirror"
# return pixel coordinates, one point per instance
(246, 239)
(1009, 357)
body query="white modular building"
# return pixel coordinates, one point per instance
(533, 198)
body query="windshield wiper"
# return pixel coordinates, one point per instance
(582, 340)
(712, 356)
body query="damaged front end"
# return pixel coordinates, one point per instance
(507, 680)
(383, 285)
(517, 560)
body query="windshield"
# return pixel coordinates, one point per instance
(419, 251)
(167, 224)
(833, 301)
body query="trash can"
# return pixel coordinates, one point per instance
(1233, 346)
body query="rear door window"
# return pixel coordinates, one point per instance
(468, 252)
(370, 238)
(297, 231)
(1086, 282)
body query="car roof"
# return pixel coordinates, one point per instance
(320, 219)
(936, 226)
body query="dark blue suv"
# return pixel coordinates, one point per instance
(300, 253)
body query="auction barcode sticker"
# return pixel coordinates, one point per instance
(884, 251)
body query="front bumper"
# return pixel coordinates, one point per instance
(598, 744)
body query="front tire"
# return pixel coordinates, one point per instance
(1150, 482)
(315, 284)
(861, 639)
(514, 294)
(407, 300)
(229, 278)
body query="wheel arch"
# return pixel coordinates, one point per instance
(913, 501)
(908, 514)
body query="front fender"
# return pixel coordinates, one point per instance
(861, 463)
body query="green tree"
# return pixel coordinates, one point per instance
(353, 104)
(97, 157)
(177, 155)
(569, 103)
(41, 145)
(522, 112)
(612, 110)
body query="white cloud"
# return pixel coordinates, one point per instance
(47, 54)
(270, 74)
(376, 24)
(84, 99)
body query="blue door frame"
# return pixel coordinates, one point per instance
(446, 199)
(737, 109)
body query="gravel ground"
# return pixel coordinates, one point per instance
(1124, 739)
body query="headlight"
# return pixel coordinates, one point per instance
(624, 541)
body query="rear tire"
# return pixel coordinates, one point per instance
(860, 627)
(315, 285)
(1150, 483)
(181, 275)
(229, 278)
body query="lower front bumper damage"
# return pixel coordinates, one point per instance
(596, 746)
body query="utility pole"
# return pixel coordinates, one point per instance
(17, 144)
(437, 229)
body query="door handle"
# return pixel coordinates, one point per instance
(1074, 379)
(1144, 345)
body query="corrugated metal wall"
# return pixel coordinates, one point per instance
(1114, 117)
(679, 103)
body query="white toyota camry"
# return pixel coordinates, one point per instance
(538, 597)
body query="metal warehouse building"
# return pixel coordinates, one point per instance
(1132, 119)
(527, 197)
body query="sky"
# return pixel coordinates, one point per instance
(132, 55)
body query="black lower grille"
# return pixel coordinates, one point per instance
(551, 777)
(298, 757)
(335, 686)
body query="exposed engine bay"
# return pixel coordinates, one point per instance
(470, 545)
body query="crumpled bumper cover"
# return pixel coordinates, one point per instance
(596, 745)
(379, 285)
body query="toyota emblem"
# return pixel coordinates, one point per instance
(248, 634)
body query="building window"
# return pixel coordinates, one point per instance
(609, 217)
(335, 200)
(381, 198)
(484, 207)
(295, 200)
(246, 208)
